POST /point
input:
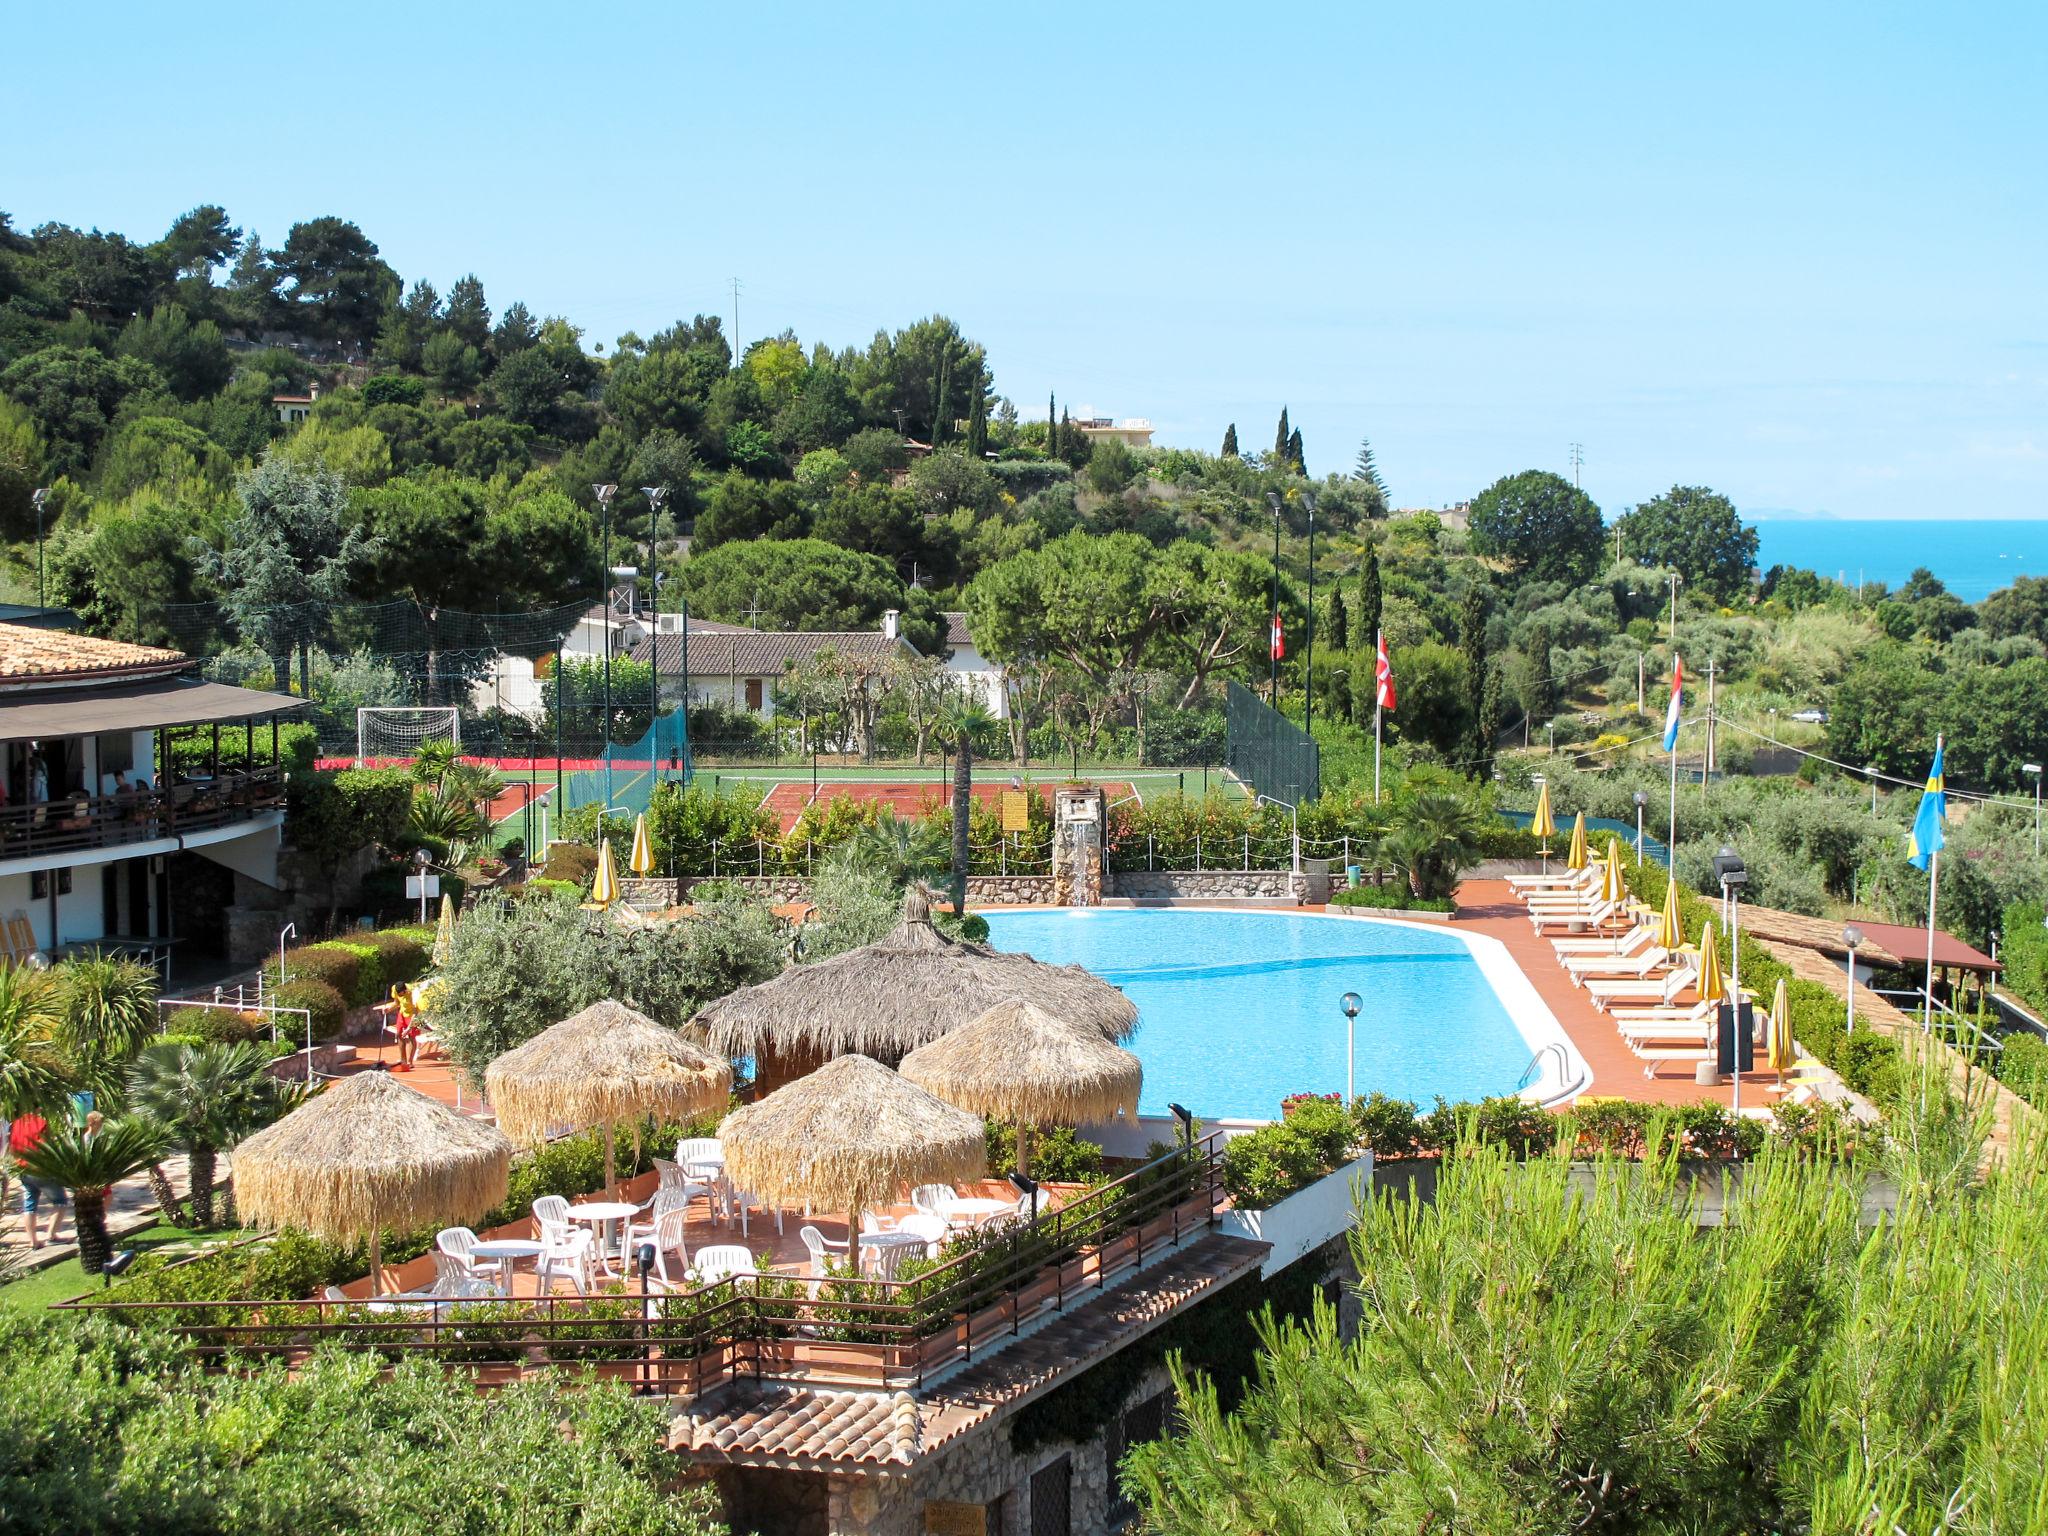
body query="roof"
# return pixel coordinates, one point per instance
(956, 631)
(144, 706)
(789, 1425)
(756, 653)
(1889, 945)
(30, 655)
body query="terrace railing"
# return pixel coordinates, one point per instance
(837, 1330)
(75, 822)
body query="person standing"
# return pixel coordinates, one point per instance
(23, 1137)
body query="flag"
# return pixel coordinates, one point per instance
(1926, 838)
(1383, 677)
(1279, 639)
(1677, 704)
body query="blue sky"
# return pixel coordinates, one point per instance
(1798, 257)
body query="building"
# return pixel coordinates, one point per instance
(293, 409)
(1132, 431)
(984, 678)
(127, 819)
(739, 668)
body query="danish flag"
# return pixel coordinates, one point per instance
(1279, 638)
(1383, 677)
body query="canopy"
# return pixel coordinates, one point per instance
(847, 1137)
(1576, 858)
(370, 1153)
(905, 990)
(1021, 1064)
(1545, 824)
(146, 706)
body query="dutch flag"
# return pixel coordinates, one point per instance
(1671, 715)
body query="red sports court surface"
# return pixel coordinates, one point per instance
(789, 798)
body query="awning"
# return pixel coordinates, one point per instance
(132, 707)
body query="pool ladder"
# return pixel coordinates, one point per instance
(1533, 1072)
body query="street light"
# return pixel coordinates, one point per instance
(656, 495)
(1870, 770)
(41, 499)
(1733, 875)
(1351, 1002)
(1851, 937)
(1187, 1126)
(604, 495)
(2034, 769)
(1641, 801)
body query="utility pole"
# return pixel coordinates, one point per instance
(1273, 647)
(604, 495)
(1578, 462)
(735, 321)
(656, 495)
(1308, 633)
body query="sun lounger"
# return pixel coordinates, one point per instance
(1654, 1056)
(1630, 943)
(1555, 879)
(1647, 989)
(1595, 915)
(1584, 968)
(1678, 1029)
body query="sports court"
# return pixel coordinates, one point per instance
(909, 792)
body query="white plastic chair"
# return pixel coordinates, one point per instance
(741, 1199)
(931, 1228)
(821, 1250)
(886, 1258)
(459, 1244)
(720, 1260)
(932, 1199)
(565, 1246)
(700, 1149)
(671, 1236)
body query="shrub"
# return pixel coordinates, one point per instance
(371, 983)
(225, 1026)
(572, 863)
(1326, 1126)
(403, 957)
(328, 963)
(1394, 896)
(1058, 1154)
(320, 999)
(1264, 1168)
(1388, 1126)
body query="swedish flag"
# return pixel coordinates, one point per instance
(1926, 838)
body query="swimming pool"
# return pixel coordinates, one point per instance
(1239, 1009)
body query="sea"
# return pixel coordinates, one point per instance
(1974, 557)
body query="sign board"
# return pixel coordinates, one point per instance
(421, 886)
(1016, 811)
(942, 1518)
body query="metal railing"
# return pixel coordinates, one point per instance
(73, 822)
(840, 1329)
(1913, 1003)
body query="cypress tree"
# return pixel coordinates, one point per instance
(977, 427)
(1052, 427)
(1472, 645)
(1230, 441)
(1294, 452)
(1340, 622)
(1488, 728)
(1369, 602)
(1280, 438)
(1337, 693)
(1066, 437)
(939, 401)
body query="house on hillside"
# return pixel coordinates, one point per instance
(984, 678)
(1132, 432)
(293, 409)
(739, 668)
(140, 808)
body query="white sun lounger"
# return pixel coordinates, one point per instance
(1646, 989)
(1583, 968)
(1555, 879)
(1629, 943)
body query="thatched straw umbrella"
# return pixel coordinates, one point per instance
(847, 1137)
(902, 991)
(370, 1153)
(1019, 1063)
(609, 1066)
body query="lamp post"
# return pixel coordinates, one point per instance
(1733, 875)
(1308, 629)
(1851, 937)
(1187, 1126)
(1273, 500)
(1870, 771)
(2033, 770)
(656, 495)
(41, 499)
(1641, 800)
(1350, 1003)
(604, 495)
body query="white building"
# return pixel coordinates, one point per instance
(1132, 431)
(739, 668)
(125, 821)
(975, 670)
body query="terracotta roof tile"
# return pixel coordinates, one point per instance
(29, 654)
(759, 653)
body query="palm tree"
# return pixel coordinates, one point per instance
(959, 721)
(90, 1165)
(206, 1098)
(1433, 842)
(31, 1064)
(898, 851)
(107, 1007)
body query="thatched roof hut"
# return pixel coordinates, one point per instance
(847, 1137)
(905, 990)
(1021, 1064)
(608, 1065)
(370, 1153)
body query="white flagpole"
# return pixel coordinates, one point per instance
(1378, 693)
(1927, 1007)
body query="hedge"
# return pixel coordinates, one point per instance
(320, 999)
(1396, 896)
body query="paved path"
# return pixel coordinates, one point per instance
(130, 1208)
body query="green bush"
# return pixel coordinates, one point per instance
(404, 958)
(328, 963)
(320, 999)
(1265, 1167)
(540, 885)
(1326, 1125)
(225, 1026)
(571, 863)
(1394, 896)
(371, 983)
(168, 1038)
(2023, 1067)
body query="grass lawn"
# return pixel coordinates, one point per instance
(64, 1279)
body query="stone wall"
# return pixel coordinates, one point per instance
(1207, 885)
(982, 890)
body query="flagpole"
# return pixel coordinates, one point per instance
(1378, 708)
(1927, 993)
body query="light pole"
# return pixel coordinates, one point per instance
(604, 495)
(1851, 937)
(1675, 579)
(421, 859)
(1350, 1003)
(1641, 800)
(656, 495)
(1273, 499)
(1733, 875)
(41, 499)
(1870, 770)
(291, 931)
(1308, 630)
(2034, 770)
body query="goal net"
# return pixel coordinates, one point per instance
(400, 733)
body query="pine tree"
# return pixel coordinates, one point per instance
(1369, 599)
(1280, 439)
(1294, 457)
(977, 428)
(1339, 629)
(1367, 470)
(1230, 441)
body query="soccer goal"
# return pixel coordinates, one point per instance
(400, 733)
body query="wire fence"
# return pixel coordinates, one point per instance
(1268, 751)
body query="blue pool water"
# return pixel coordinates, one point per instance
(1239, 1009)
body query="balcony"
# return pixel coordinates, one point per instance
(83, 824)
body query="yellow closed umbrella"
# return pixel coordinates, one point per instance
(1545, 824)
(604, 890)
(444, 932)
(1670, 932)
(1611, 887)
(1712, 987)
(1576, 859)
(641, 861)
(1779, 1054)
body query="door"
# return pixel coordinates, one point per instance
(754, 694)
(1052, 1488)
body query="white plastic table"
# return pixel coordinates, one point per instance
(972, 1212)
(505, 1252)
(872, 1244)
(604, 1213)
